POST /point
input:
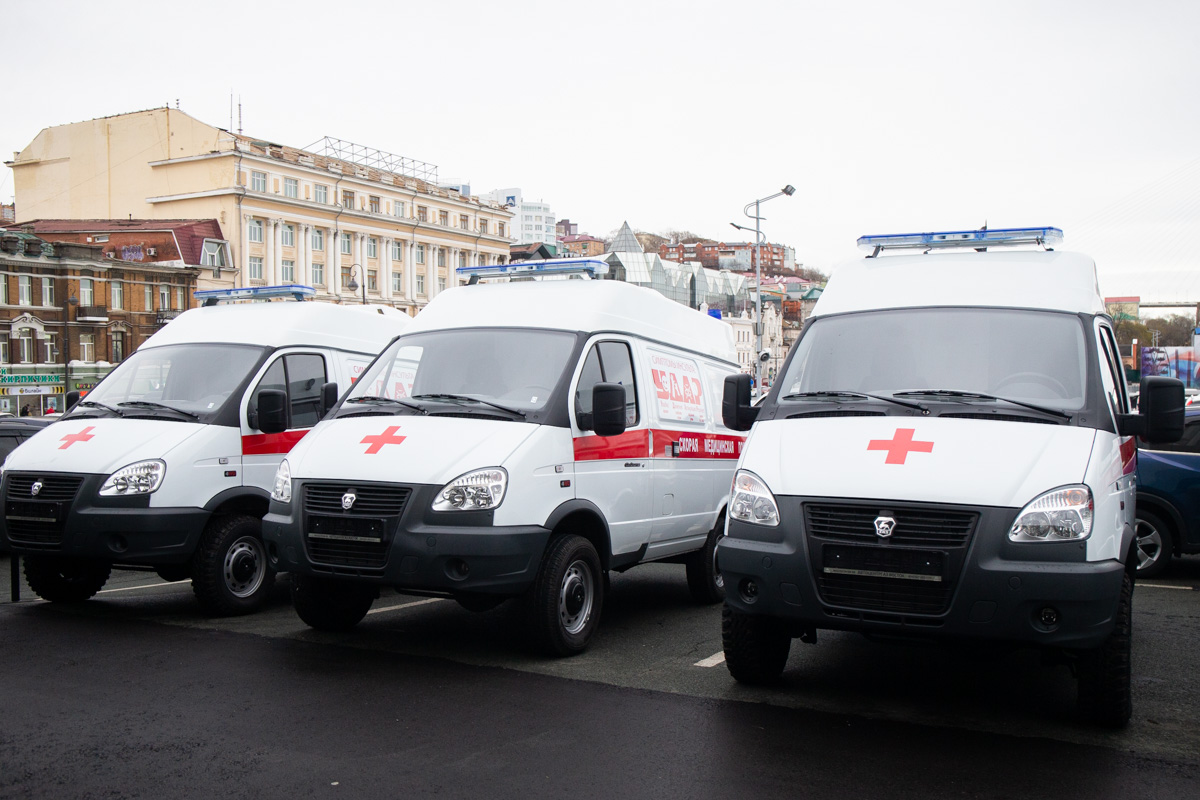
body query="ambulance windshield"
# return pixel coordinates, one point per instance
(184, 382)
(514, 368)
(1036, 357)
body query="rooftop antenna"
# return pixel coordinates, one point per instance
(231, 108)
(176, 103)
(239, 114)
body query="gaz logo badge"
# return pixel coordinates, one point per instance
(348, 499)
(36, 488)
(884, 526)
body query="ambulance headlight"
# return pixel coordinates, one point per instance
(140, 478)
(1061, 515)
(281, 491)
(752, 500)
(480, 490)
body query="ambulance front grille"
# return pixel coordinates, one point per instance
(39, 520)
(920, 527)
(368, 500)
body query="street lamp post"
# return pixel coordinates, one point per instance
(789, 190)
(72, 301)
(353, 284)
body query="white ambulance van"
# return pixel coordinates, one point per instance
(521, 439)
(948, 454)
(167, 464)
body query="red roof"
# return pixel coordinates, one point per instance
(189, 233)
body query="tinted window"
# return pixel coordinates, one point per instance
(305, 377)
(1190, 443)
(588, 377)
(618, 368)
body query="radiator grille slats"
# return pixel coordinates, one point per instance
(39, 520)
(356, 537)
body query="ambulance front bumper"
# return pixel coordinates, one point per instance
(411, 548)
(823, 567)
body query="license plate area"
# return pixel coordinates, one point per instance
(346, 529)
(25, 511)
(927, 566)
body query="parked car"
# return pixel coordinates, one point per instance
(13, 431)
(1168, 498)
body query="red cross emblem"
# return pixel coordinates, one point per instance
(387, 437)
(72, 438)
(900, 445)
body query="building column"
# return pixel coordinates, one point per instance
(276, 269)
(410, 274)
(304, 268)
(385, 269)
(243, 276)
(331, 249)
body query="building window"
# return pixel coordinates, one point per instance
(464, 222)
(318, 274)
(291, 188)
(258, 181)
(444, 218)
(422, 214)
(179, 304)
(462, 259)
(288, 237)
(441, 255)
(397, 209)
(372, 247)
(289, 270)
(483, 226)
(499, 228)
(420, 284)
(118, 295)
(213, 254)
(4, 289)
(47, 292)
(397, 250)
(256, 268)
(420, 254)
(373, 204)
(87, 297)
(4, 350)
(25, 290)
(318, 239)
(321, 193)
(346, 246)
(347, 198)
(87, 347)
(164, 297)
(51, 344)
(256, 230)
(441, 284)
(118, 341)
(26, 340)
(149, 293)
(398, 282)
(372, 281)
(346, 275)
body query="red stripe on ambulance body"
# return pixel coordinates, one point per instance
(264, 444)
(693, 444)
(631, 444)
(1128, 456)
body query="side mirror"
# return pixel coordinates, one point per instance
(72, 399)
(1160, 412)
(736, 411)
(329, 396)
(608, 409)
(272, 411)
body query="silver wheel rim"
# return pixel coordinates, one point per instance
(577, 583)
(1149, 544)
(718, 580)
(245, 552)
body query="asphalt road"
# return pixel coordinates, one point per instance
(134, 694)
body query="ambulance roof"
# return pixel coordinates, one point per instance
(357, 328)
(1052, 280)
(579, 305)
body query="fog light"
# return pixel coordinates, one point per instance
(457, 569)
(748, 591)
(1049, 616)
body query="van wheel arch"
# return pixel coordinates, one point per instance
(246, 501)
(585, 519)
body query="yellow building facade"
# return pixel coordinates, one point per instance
(290, 216)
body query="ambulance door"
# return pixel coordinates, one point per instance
(1118, 455)
(300, 376)
(613, 472)
(684, 461)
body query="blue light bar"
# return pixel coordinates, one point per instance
(554, 266)
(997, 237)
(213, 296)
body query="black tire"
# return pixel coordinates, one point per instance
(230, 571)
(331, 605)
(703, 577)
(1105, 692)
(563, 605)
(1153, 544)
(174, 572)
(65, 580)
(756, 648)
(478, 602)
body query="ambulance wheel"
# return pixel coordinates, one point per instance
(1153, 544)
(230, 573)
(65, 580)
(703, 577)
(1105, 692)
(330, 605)
(563, 605)
(756, 648)
(477, 602)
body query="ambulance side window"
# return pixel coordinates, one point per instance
(306, 376)
(274, 378)
(1116, 373)
(608, 362)
(588, 377)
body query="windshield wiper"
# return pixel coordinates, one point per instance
(94, 404)
(836, 394)
(981, 396)
(470, 399)
(375, 399)
(151, 404)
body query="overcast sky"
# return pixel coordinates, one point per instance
(886, 116)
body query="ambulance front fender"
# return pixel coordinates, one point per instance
(583, 518)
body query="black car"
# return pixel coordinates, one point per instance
(13, 431)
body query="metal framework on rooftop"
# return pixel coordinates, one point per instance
(375, 158)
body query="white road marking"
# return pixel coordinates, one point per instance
(406, 605)
(711, 661)
(145, 586)
(1165, 586)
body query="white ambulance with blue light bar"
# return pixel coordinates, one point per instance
(948, 454)
(521, 439)
(167, 463)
